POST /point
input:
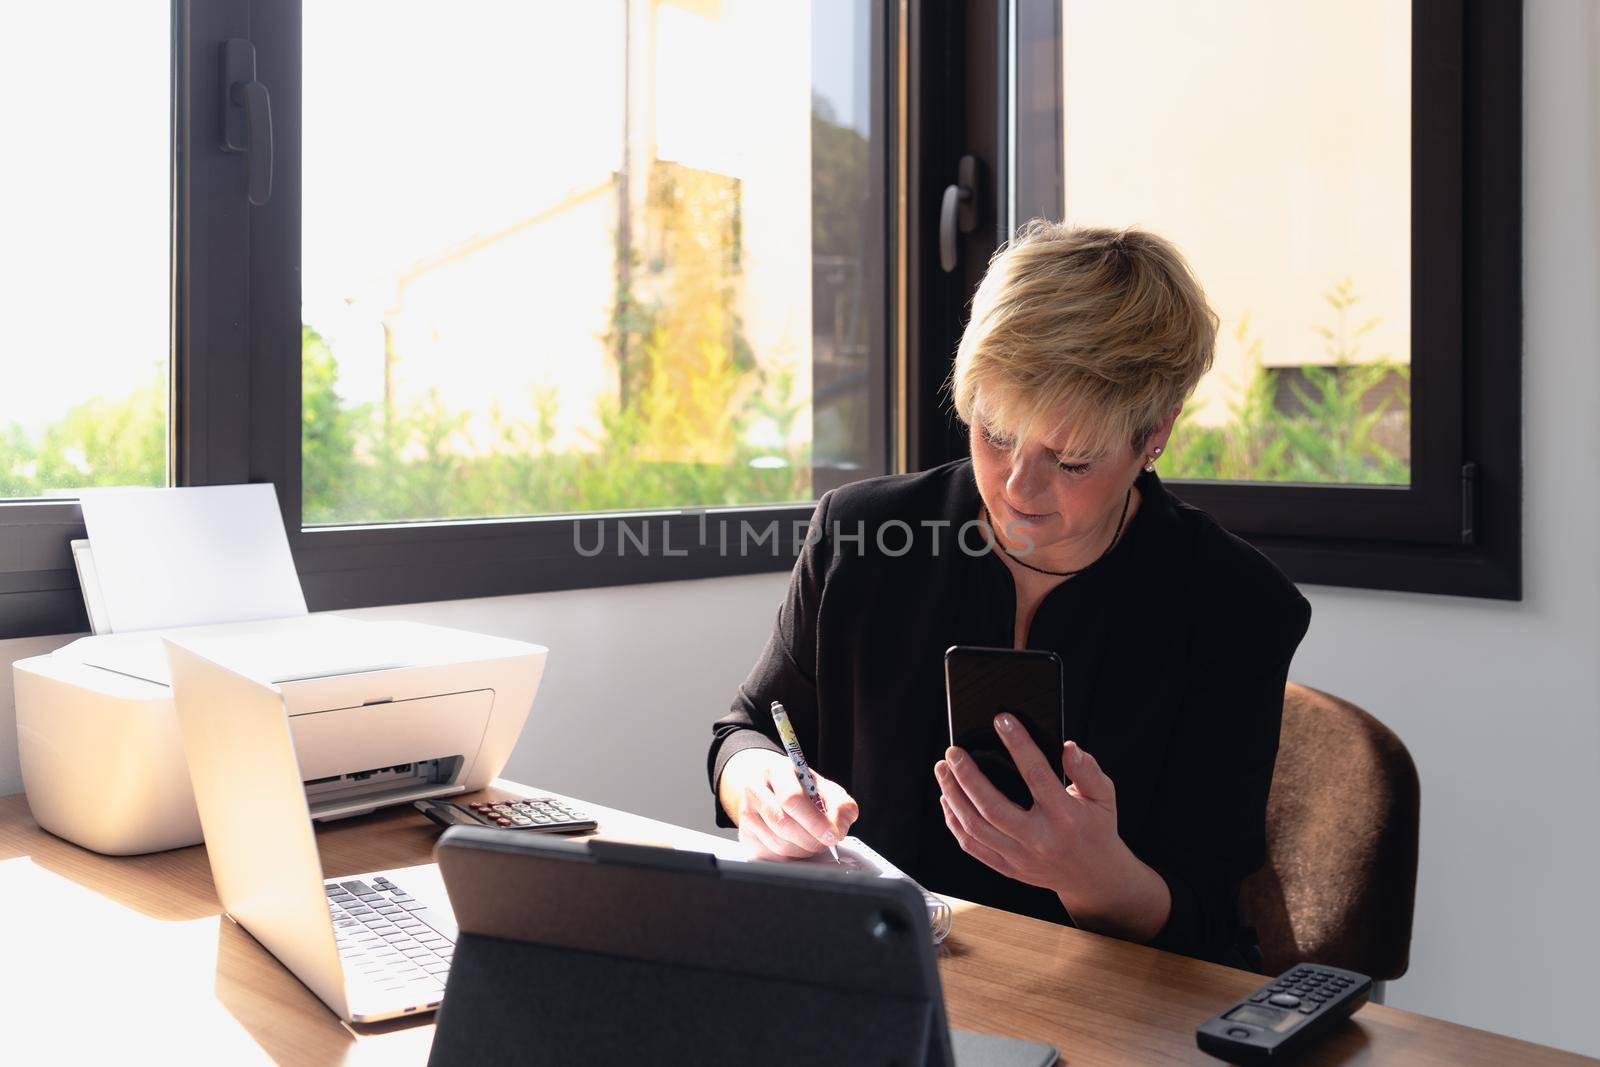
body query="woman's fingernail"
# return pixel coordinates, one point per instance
(954, 757)
(1005, 722)
(940, 771)
(829, 837)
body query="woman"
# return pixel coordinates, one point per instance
(1056, 534)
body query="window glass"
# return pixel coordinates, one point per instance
(558, 257)
(1277, 157)
(85, 237)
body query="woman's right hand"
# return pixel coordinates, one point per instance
(760, 791)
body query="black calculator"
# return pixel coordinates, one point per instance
(1281, 1018)
(529, 813)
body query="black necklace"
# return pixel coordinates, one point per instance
(1126, 497)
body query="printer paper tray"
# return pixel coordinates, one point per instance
(328, 810)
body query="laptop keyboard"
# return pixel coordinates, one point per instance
(387, 939)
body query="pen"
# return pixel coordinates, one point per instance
(791, 744)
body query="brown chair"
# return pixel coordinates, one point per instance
(1340, 880)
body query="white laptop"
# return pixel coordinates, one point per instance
(371, 946)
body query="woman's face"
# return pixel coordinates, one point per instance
(1048, 498)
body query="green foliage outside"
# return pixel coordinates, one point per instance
(676, 434)
(1349, 421)
(357, 467)
(690, 392)
(99, 442)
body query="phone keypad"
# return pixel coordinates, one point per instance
(1304, 989)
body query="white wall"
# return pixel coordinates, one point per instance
(1499, 703)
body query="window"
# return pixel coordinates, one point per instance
(1345, 179)
(677, 265)
(1285, 176)
(621, 267)
(509, 269)
(86, 250)
(562, 294)
(86, 265)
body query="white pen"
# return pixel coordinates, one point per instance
(791, 744)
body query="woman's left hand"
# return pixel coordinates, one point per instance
(1067, 842)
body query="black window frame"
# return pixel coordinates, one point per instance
(236, 349)
(1457, 528)
(943, 94)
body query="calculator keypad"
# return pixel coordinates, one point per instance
(528, 813)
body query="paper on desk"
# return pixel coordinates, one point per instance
(856, 857)
(191, 557)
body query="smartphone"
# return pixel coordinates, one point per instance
(980, 683)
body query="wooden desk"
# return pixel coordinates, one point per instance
(110, 960)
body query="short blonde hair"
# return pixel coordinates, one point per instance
(1094, 333)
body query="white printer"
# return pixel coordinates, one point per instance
(382, 712)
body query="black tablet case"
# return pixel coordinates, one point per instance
(599, 953)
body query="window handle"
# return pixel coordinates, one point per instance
(958, 212)
(247, 117)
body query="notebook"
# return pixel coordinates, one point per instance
(858, 857)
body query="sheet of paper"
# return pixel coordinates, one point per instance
(856, 857)
(191, 557)
(89, 581)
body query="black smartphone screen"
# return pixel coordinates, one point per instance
(979, 684)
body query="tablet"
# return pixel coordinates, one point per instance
(592, 952)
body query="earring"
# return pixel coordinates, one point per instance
(1150, 464)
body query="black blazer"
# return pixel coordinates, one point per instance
(1176, 647)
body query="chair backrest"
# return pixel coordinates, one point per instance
(1340, 880)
